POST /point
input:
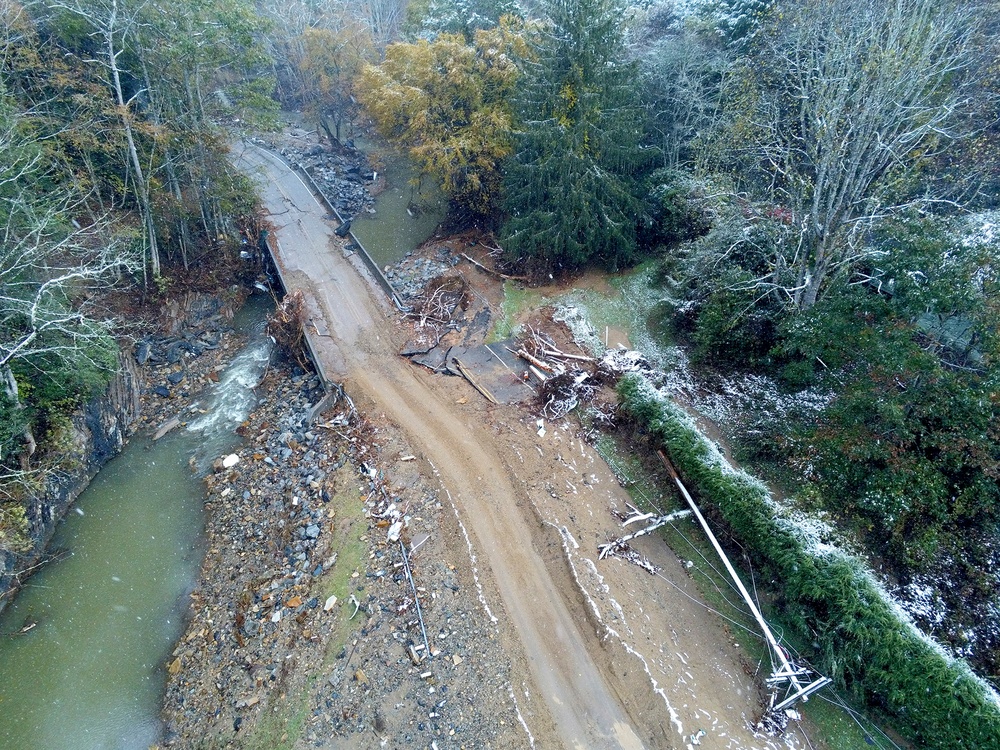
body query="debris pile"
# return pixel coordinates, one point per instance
(411, 276)
(620, 546)
(341, 171)
(432, 312)
(568, 380)
(284, 326)
(324, 579)
(436, 304)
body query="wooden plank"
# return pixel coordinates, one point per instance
(468, 376)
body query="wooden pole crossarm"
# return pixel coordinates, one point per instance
(803, 693)
(779, 652)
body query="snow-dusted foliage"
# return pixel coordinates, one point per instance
(982, 229)
(861, 635)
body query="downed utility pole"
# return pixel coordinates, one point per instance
(788, 673)
(416, 597)
(618, 545)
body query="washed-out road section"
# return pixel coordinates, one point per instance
(602, 655)
(351, 329)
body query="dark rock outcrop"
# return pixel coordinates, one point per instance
(99, 432)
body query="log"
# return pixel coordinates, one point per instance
(564, 355)
(483, 268)
(468, 376)
(533, 360)
(166, 427)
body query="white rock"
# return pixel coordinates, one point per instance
(395, 530)
(230, 461)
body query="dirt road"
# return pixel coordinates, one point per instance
(578, 636)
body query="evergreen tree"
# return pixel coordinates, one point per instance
(570, 194)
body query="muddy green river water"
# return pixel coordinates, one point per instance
(89, 675)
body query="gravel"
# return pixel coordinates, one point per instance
(262, 647)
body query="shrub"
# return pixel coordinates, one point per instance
(678, 208)
(13, 528)
(732, 317)
(859, 638)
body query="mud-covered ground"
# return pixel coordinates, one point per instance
(271, 659)
(305, 623)
(305, 631)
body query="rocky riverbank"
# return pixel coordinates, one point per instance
(309, 628)
(177, 357)
(341, 171)
(94, 435)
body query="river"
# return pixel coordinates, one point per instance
(405, 215)
(90, 675)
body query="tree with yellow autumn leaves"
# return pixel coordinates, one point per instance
(448, 104)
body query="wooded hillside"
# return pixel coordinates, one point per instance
(113, 181)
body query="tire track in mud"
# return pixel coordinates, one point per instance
(583, 710)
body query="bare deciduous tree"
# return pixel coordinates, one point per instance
(682, 75)
(48, 268)
(112, 23)
(837, 110)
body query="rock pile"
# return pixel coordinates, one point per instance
(191, 327)
(411, 275)
(342, 172)
(292, 615)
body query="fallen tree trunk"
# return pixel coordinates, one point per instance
(533, 360)
(481, 267)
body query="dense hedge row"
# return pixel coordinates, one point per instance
(859, 639)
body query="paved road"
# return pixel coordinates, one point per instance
(351, 329)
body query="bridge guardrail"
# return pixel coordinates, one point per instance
(366, 257)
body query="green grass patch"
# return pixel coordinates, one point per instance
(624, 306)
(281, 723)
(517, 300)
(603, 309)
(279, 727)
(832, 726)
(348, 533)
(642, 485)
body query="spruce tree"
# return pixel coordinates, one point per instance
(570, 194)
